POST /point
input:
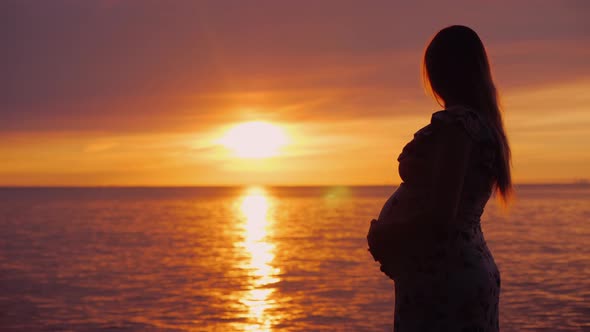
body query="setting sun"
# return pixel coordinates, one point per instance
(255, 139)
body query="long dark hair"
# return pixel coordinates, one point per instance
(456, 70)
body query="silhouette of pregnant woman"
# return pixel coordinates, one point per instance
(428, 236)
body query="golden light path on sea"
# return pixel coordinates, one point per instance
(257, 226)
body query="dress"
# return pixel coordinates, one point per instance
(448, 281)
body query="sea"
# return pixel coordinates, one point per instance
(261, 259)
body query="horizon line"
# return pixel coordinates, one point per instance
(582, 182)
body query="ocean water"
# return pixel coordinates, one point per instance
(260, 259)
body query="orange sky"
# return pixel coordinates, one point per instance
(139, 93)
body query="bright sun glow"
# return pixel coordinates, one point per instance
(255, 139)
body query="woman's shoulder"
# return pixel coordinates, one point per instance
(467, 119)
(456, 118)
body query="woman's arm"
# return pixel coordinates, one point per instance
(452, 147)
(452, 150)
(397, 242)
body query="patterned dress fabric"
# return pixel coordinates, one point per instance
(454, 285)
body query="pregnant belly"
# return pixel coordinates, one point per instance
(405, 204)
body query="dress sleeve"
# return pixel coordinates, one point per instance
(463, 118)
(453, 144)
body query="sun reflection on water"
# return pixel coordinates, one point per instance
(257, 227)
